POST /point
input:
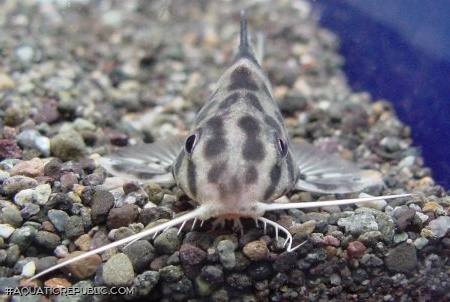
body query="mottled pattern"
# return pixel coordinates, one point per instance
(237, 160)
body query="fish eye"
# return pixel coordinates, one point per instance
(190, 143)
(282, 147)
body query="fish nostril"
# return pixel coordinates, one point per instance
(190, 143)
(282, 147)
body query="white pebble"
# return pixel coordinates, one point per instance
(6, 230)
(374, 204)
(23, 197)
(423, 217)
(42, 194)
(29, 269)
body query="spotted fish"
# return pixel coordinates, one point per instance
(238, 158)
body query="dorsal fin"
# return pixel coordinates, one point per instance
(245, 49)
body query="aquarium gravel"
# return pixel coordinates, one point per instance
(79, 79)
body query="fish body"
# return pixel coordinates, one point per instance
(237, 159)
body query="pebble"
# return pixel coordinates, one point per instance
(167, 242)
(238, 281)
(182, 289)
(73, 227)
(191, 255)
(9, 149)
(56, 283)
(6, 230)
(118, 271)
(431, 206)
(102, 202)
(256, 250)
(213, 274)
(18, 183)
(437, 228)
(84, 268)
(30, 168)
(29, 269)
(45, 262)
(23, 236)
(41, 194)
(83, 242)
(58, 218)
(123, 216)
(202, 287)
(402, 258)
(374, 204)
(53, 168)
(145, 282)
(140, 253)
(81, 124)
(12, 216)
(68, 146)
(331, 240)
(12, 255)
(25, 53)
(33, 139)
(47, 240)
(421, 242)
(356, 249)
(406, 219)
(24, 197)
(4, 176)
(285, 261)
(359, 223)
(227, 257)
(171, 273)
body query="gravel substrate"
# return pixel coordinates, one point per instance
(79, 79)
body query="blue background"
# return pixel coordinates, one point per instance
(400, 51)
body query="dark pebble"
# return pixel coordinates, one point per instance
(292, 102)
(278, 281)
(58, 218)
(191, 255)
(285, 261)
(148, 215)
(94, 179)
(406, 220)
(59, 202)
(102, 202)
(239, 282)
(180, 290)
(213, 274)
(73, 227)
(174, 259)
(13, 254)
(145, 282)
(53, 168)
(68, 180)
(141, 253)
(159, 262)
(122, 216)
(199, 239)
(402, 258)
(117, 138)
(47, 240)
(260, 270)
(241, 262)
(29, 210)
(171, 273)
(45, 262)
